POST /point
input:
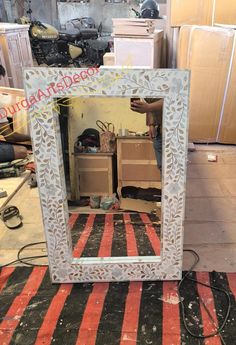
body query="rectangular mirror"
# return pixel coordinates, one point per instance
(144, 241)
(108, 182)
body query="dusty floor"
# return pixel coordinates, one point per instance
(210, 213)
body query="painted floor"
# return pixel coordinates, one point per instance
(32, 311)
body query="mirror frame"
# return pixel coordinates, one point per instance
(173, 86)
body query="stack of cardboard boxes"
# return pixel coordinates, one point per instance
(202, 12)
(209, 52)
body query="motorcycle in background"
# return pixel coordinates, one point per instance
(62, 49)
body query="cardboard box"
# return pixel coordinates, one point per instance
(227, 130)
(183, 46)
(202, 12)
(207, 52)
(225, 12)
(191, 12)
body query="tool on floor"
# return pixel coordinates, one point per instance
(33, 181)
(12, 169)
(11, 217)
(3, 193)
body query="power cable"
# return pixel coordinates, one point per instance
(226, 293)
(24, 260)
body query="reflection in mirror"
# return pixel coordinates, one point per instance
(112, 152)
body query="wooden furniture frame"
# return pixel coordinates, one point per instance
(173, 86)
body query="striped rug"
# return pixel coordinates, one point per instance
(95, 235)
(33, 311)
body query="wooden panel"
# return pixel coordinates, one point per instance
(15, 57)
(138, 150)
(93, 182)
(27, 60)
(92, 162)
(140, 172)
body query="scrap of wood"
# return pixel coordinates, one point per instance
(137, 205)
(212, 157)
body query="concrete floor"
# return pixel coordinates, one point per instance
(211, 208)
(210, 213)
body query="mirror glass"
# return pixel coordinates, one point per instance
(112, 152)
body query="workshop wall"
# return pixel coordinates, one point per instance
(100, 11)
(85, 112)
(58, 13)
(45, 10)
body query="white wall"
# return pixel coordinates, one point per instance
(99, 11)
(84, 113)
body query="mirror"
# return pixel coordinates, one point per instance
(112, 148)
(107, 244)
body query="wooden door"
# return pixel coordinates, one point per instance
(27, 60)
(15, 57)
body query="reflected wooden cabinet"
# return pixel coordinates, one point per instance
(15, 44)
(94, 174)
(137, 165)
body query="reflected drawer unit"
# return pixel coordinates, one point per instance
(137, 164)
(94, 174)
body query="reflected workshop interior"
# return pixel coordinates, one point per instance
(106, 156)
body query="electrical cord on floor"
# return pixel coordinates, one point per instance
(218, 329)
(22, 260)
(25, 260)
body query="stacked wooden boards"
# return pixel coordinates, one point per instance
(137, 43)
(209, 52)
(154, 30)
